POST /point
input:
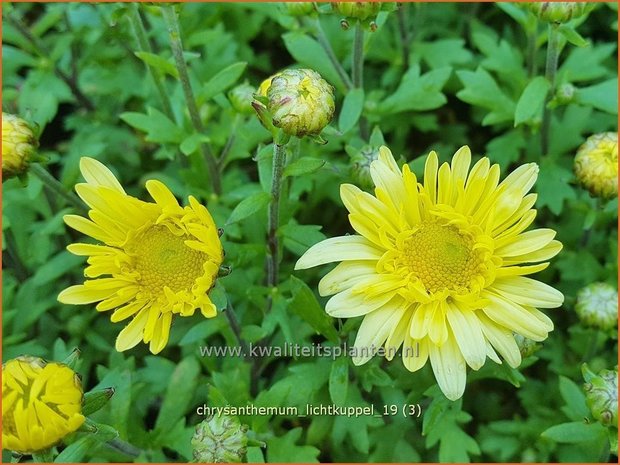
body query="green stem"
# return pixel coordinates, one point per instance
(403, 29)
(324, 42)
(221, 161)
(551, 68)
(177, 51)
(236, 328)
(279, 158)
(358, 71)
(531, 52)
(137, 25)
(56, 187)
(21, 271)
(124, 447)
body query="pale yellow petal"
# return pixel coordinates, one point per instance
(527, 291)
(468, 335)
(132, 334)
(344, 276)
(374, 330)
(338, 249)
(449, 368)
(97, 174)
(347, 304)
(502, 340)
(527, 243)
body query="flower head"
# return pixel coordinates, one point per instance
(357, 10)
(299, 101)
(597, 305)
(602, 395)
(19, 145)
(438, 267)
(219, 439)
(596, 165)
(154, 259)
(41, 404)
(558, 12)
(299, 8)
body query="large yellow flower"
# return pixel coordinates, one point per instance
(155, 259)
(438, 268)
(41, 404)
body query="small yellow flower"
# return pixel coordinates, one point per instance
(153, 260)
(19, 144)
(438, 267)
(596, 165)
(41, 404)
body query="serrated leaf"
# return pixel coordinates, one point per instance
(553, 186)
(417, 92)
(157, 126)
(305, 305)
(339, 380)
(158, 63)
(305, 165)
(602, 96)
(574, 398)
(190, 144)
(530, 105)
(285, 449)
(223, 80)
(249, 206)
(480, 89)
(571, 34)
(575, 432)
(351, 110)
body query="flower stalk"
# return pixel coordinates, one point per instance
(551, 68)
(279, 159)
(358, 70)
(324, 42)
(176, 44)
(137, 25)
(51, 183)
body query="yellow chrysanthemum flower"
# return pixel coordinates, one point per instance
(438, 267)
(41, 404)
(156, 259)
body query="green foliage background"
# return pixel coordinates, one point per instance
(459, 77)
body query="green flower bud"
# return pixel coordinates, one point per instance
(299, 8)
(558, 12)
(602, 397)
(596, 165)
(220, 439)
(359, 168)
(597, 306)
(241, 98)
(357, 10)
(526, 346)
(565, 94)
(299, 101)
(19, 146)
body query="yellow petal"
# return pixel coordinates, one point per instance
(132, 334)
(338, 249)
(449, 368)
(97, 174)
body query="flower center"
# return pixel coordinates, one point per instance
(163, 259)
(441, 257)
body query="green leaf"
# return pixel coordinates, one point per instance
(602, 96)
(223, 80)
(530, 105)
(179, 394)
(586, 63)
(351, 109)
(309, 52)
(571, 34)
(249, 206)
(158, 63)
(339, 380)
(574, 398)
(305, 305)
(300, 237)
(285, 449)
(305, 165)
(574, 432)
(191, 143)
(444, 52)
(75, 453)
(553, 186)
(417, 92)
(158, 127)
(480, 89)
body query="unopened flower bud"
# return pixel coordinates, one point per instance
(597, 306)
(299, 101)
(596, 165)
(41, 404)
(299, 8)
(241, 98)
(357, 10)
(360, 166)
(19, 146)
(526, 346)
(565, 94)
(602, 397)
(558, 12)
(220, 439)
